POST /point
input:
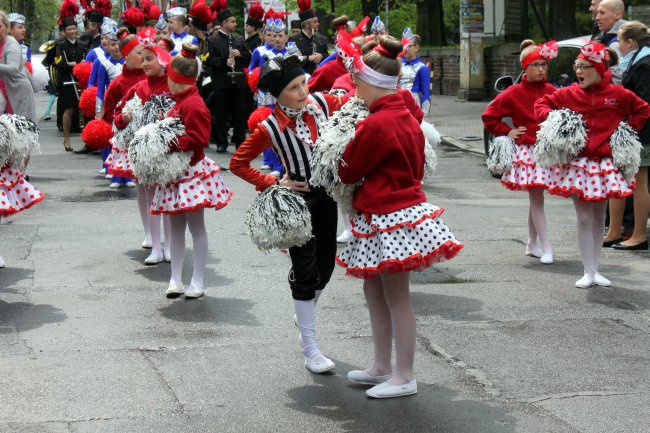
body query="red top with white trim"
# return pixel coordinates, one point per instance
(116, 90)
(602, 106)
(145, 89)
(517, 102)
(192, 111)
(387, 152)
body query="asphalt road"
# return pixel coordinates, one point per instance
(88, 342)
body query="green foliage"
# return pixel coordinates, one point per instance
(41, 27)
(451, 12)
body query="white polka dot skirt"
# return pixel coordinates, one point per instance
(589, 179)
(16, 194)
(200, 187)
(406, 240)
(120, 164)
(524, 173)
(111, 157)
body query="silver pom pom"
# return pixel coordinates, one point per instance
(337, 132)
(122, 137)
(561, 137)
(18, 139)
(431, 141)
(278, 218)
(151, 159)
(155, 109)
(501, 155)
(40, 77)
(626, 150)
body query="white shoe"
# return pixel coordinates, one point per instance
(115, 185)
(547, 258)
(174, 291)
(344, 237)
(109, 176)
(2, 262)
(167, 256)
(102, 171)
(536, 252)
(585, 282)
(360, 376)
(275, 173)
(130, 184)
(384, 390)
(265, 167)
(153, 259)
(194, 292)
(319, 363)
(146, 243)
(599, 280)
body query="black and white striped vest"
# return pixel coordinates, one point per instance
(293, 153)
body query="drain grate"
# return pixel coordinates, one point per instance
(111, 195)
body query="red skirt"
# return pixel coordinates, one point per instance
(16, 194)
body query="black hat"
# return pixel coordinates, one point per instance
(278, 72)
(224, 15)
(95, 17)
(66, 22)
(255, 16)
(295, 24)
(305, 12)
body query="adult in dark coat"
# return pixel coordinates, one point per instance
(92, 38)
(311, 45)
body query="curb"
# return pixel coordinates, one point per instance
(452, 142)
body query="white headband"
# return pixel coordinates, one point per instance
(377, 79)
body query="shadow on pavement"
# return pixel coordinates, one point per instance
(619, 298)
(456, 308)
(10, 276)
(25, 316)
(211, 309)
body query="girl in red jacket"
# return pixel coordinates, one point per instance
(593, 176)
(200, 187)
(395, 230)
(517, 103)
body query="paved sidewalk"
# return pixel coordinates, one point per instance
(459, 122)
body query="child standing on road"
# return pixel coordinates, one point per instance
(597, 173)
(200, 186)
(517, 102)
(395, 230)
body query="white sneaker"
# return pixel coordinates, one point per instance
(146, 243)
(115, 185)
(153, 259)
(360, 376)
(2, 262)
(174, 291)
(275, 173)
(265, 167)
(319, 363)
(102, 171)
(535, 252)
(194, 292)
(384, 390)
(344, 237)
(585, 282)
(599, 280)
(130, 184)
(547, 258)
(108, 176)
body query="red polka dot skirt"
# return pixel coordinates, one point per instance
(120, 164)
(589, 179)
(524, 173)
(409, 239)
(200, 187)
(16, 194)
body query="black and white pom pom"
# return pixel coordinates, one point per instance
(18, 139)
(626, 150)
(278, 218)
(337, 132)
(155, 109)
(338, 92)
(501, 155)
(431, 141)
(122, 137)
(561, 137)
(151, 159)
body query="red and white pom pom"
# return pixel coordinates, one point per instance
(595, 52)
(361, 28)
(97, 134)
(253, 78)
(257, 117)
(304, 5)
(549, 50)
(349, 51)
(81, 71)
(87, 102)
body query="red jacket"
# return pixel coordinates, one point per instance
(602, 106)
(517, 102)
(192, 111)
(324, 76)
(118, 87)
(387, 152)
(145, 89)
(260, 140)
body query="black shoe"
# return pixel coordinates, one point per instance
(638, 247)
(26, 177)
(46, 117)
(222, 149)
(84, 149)
(608, 244)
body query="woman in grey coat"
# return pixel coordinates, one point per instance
(20, 94)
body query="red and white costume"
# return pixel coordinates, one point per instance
(201, 186)
(395, 229)
(517, 102)
(592, 176)
(16, 194)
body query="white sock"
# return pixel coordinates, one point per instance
(167, 231)
(143, 207)
(538, 218)
(306, 315)
(196, 225)
(584, 215)
(598, 231)
(177, 247)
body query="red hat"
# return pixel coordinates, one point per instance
(305, 12)
(200, 14)
(133, 17)
(256, 16)
(67, 12)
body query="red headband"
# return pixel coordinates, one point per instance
(596, 54)
(385, 52)
(188, 54)
(163, 43)
(179, 78)
(546, 52)
(126, 49)
(531, 57)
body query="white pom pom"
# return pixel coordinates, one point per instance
(502, 153)
(431, 141)
(122, 137)
(155, 109)
(3, 103)
(431, 133)
(40, 77)
(18, 139)
(151, 159)
(561, 137)
(626, 150)
(337, 132)
(278, 218)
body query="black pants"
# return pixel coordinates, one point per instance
(229, 103)
(313, 263)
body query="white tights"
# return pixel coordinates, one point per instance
(591, 229)
(151, 222)
(306, 318)
(194, 221)
(537, 221)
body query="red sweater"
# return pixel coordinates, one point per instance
(192, 111)
(260, 140)
(324, 76)
(602, 106)
(118, 88)
(145, 89)
(391, 168)
(517, 102)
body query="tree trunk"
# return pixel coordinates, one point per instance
(430, 22)
(370, 7)
(561, 19)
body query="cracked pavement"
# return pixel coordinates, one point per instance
(88, 343)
